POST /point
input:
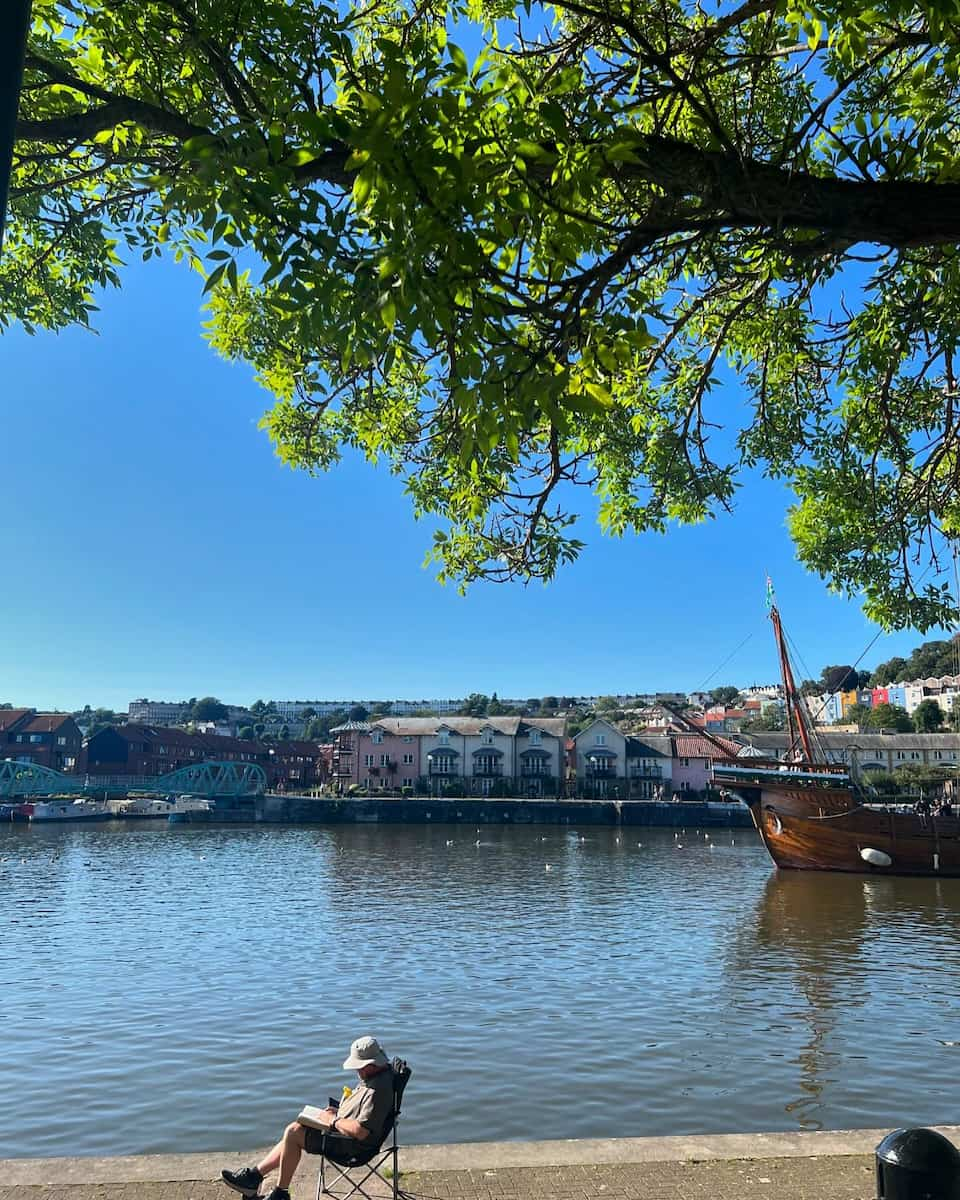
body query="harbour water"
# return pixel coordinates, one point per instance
(182, 988)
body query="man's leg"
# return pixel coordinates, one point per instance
(291, 1147)
(271, 1159)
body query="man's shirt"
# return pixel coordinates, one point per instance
(370, 1102)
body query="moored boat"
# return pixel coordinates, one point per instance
(68, 809)
(819, 816)
(188, 808)
(146, 807)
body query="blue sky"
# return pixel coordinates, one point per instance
(154, 546)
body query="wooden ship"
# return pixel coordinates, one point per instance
(814, 815)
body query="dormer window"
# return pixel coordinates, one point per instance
(376, 737)
(534, 737)
(487, 737)
(443, 737)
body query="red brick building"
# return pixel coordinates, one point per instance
(295, 765)
(157, 749)
(47, 739)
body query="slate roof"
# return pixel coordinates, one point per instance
(640, 749)
(858, 741)
(512, 726)
(166, 735)
(294, 746)
(9, 717)
(46, 722)
(28, 720)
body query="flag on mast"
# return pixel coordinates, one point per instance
(770, 595)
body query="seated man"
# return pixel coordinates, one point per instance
(360, 1116)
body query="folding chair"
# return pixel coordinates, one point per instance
(345, 1154)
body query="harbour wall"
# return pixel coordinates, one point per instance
(337, 810)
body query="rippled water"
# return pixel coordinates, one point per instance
(187, 988)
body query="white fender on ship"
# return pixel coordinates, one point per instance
(876, 858)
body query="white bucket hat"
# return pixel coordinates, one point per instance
(365, 1052)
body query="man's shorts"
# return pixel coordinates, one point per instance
(335, 1145)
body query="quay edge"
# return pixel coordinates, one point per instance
(343, 810)
(475, 1156)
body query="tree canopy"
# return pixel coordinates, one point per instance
(641, 250)
(931, 659)
(929, 716)
(209, 708)
(890, 716)
(839, 679)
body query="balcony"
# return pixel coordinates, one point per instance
(645, 773)
(601, 772)
(480, 772)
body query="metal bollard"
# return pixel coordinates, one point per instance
(917, 1164)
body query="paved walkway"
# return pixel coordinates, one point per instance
(812, 1166)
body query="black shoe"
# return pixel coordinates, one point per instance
(279, 1194)
(246, 1181)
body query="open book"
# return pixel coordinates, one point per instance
(316, 1118)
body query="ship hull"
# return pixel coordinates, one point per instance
(827, 830)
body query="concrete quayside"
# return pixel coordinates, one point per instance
(829, 1165)
(421, 810)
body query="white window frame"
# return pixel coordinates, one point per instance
(369, 760)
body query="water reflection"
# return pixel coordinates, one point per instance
(867, 963)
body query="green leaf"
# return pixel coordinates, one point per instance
(457, 57)
(214, 278)
(388, 310)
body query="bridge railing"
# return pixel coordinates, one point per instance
(209, 779)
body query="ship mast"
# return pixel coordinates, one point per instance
(798, 721)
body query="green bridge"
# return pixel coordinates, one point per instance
(21, 780)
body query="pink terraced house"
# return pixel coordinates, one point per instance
(375, 756)
(693, 758)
